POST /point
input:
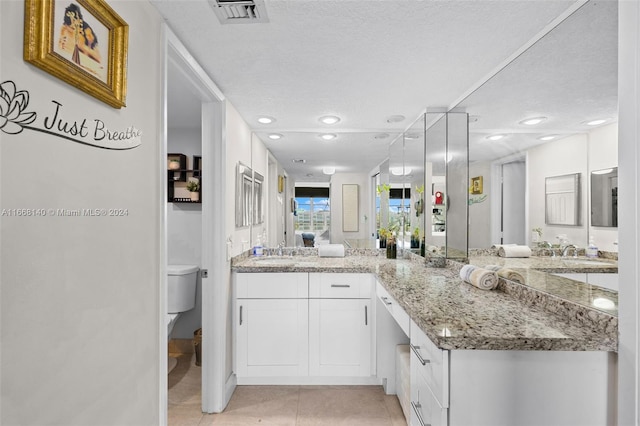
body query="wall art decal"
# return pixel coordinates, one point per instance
(83, 43)
(15, 117)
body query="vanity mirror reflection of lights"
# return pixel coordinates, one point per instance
(567, 79)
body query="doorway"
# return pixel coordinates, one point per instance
(214, 268)
(510, 184)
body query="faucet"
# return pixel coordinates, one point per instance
(547, 246)
(566, 249)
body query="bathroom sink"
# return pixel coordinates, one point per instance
(586, 262)
(276, 261)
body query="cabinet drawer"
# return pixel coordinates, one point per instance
(285, 285)
(340, 286)
(396, 311)
(431, 362)
(425, 409)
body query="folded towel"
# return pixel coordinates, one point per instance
(506, 273)
(331, 250)
(479, 277)
(514, 251)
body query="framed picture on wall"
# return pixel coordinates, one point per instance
(82, 42)
(476, 185)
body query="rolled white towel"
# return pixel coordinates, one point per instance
(331, 250)
(506, 273)
(514, 251)
(497, 246)
(479, 277)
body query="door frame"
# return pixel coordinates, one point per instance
(496, 201)
(215, 392)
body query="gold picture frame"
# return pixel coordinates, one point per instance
(67, 39)
(280, 183)
(476, 185)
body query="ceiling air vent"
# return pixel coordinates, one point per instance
(239, 11)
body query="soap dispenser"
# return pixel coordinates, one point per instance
(592, 249)
(257, 249)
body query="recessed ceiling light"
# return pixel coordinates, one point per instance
(496, 137)
(298, 161)
(533, 121)
(329, 119)
(412, 136)
(596, 122)
(275, 136)
(266, 119)
(328, 170)
(395, 118)
(547, 137)
(328, 136)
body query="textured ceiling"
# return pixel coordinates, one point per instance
(365, 60)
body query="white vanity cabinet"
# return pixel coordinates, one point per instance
(341, 325)
(304, 328)
(271, 321)
(509, 387)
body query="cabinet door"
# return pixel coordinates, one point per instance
(272, 337)
(340, 336)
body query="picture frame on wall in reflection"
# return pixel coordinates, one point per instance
(82, 42)
(476, 185)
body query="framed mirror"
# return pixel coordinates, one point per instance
(244, 186)
(257, 206)
(562, 200)
(604, 197)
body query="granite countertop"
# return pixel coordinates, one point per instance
(456, 315)
(537, 273)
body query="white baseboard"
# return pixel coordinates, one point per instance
(308, 380)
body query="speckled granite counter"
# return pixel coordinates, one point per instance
(456, 315)
(537, 274)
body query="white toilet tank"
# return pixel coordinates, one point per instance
(181, 287)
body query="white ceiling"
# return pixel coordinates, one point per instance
(366, 60)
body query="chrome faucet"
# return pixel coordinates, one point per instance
(566, 249)
(547, 246)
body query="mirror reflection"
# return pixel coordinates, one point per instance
(604, 197)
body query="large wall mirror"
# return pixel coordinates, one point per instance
(538, 116)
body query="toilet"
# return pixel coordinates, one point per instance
(181, 292)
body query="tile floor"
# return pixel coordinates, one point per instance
(281, 405)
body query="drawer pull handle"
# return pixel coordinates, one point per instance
(416, 350)
(340, 285)
(366, 316)
(386, 300)
(416, 407)
(240, 314)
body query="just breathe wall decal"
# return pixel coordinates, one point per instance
(15, 117)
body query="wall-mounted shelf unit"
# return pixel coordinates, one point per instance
(178, 178)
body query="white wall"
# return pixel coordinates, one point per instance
(629, 156)
(80, 296)
(480, 212)
(238, 136)
(565, 156)
(184, 230)
(582, 154)
(363, 182)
